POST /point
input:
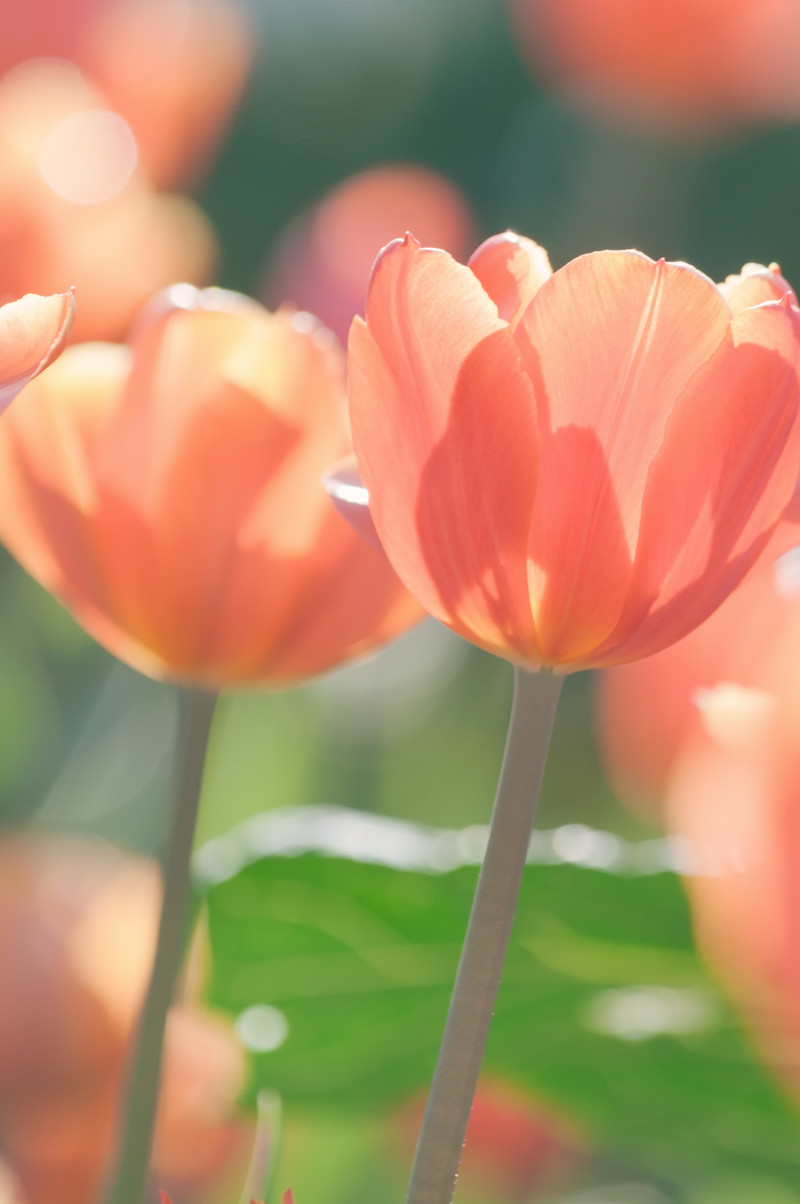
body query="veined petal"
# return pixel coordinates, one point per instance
(611, 342)
(219, 391)
(33, 331)
(47, 491)
(512, 269)
(437, 391)
(721, 481)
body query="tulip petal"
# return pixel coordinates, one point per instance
(47, 493)
(33, 331)
(352, 603)
(611, 341)
(754, 285)
(512, 269)
(720, 482)
(209, 472)
(436, 390)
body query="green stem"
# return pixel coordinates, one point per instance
(444, 1126)
(139, 1110)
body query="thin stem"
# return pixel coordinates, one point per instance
(138, 1113)
(444, 1126)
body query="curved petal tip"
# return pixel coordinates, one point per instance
(33, 332)
(511, 269)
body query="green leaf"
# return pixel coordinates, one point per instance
(351, 926)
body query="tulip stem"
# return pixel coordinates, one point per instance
(130, 1182)
(444, 1126)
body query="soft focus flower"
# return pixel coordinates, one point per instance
(572, 469)
(169, 493)
(732, 795)
(33, 331)
(174, 70)
(708, 734)
(691, 63)
(324, 258)
(78, 923)
(74, 206)
(646, 711)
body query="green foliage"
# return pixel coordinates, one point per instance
(605, 1009)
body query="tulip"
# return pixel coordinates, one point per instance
(732, 795)
(168, 492)
(691, 64)
(78, 923)
(647, 710)
(33, 331)
(174, 70)
(572, 469)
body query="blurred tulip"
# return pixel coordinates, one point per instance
(33, 331)
(646, 710)
(708, 734)
(74, 208)
(324, 258)
(174, 70)
(732, 794)
(169, 494)
(695, 64)
(571, 469)
(514, 1145)
(78, 923)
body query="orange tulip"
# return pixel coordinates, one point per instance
(646, 711)
(732, 794)
(78, 924)
(708, 733)
(33, 331)
(690, 63)
(169, 494)
(174, 69)
(572, 469)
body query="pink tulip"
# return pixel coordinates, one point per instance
(572, 469)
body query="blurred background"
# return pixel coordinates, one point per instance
(273, 148)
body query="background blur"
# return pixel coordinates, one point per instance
(636, 1080)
